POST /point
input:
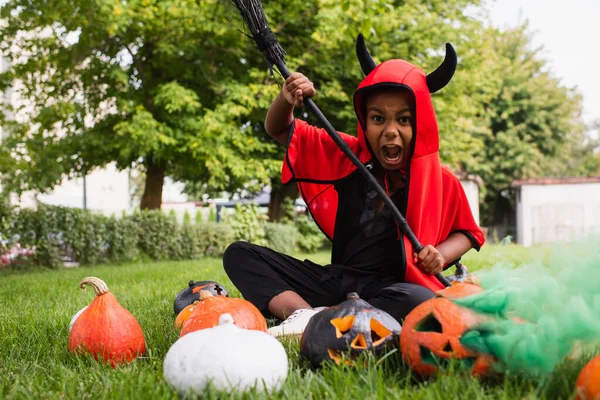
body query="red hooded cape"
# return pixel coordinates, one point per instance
(437, 205)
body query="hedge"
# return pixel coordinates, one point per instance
(59, 233)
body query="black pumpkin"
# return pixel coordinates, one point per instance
(351, 327)
(192, 293)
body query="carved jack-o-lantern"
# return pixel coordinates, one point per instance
(351, 327)
(431, 336)
(191, 293)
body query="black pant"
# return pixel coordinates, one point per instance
(261, 274)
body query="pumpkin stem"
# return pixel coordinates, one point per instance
(352, 296)
(225, 319)
(98, 284)
(205, 294)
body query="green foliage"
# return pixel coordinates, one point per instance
(187, 218)
(248, 223)
(310, 237)
(143, 83)
(288, 210)
(199, 219)
(214, 238)
(6, 215)
(122, 237)
(91, 238)
(158, 235)
(190, 242)
(281, 237)
(212, 215)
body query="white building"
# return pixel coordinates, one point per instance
(553, 210)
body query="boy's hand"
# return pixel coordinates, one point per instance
(296, 88)
(430, 260)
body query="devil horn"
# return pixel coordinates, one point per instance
(442, 75)
(366, 62)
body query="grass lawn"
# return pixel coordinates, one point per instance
(37, 305)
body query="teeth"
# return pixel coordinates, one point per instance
(391, 151)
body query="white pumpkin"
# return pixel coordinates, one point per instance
(75, 317)
(230, 357)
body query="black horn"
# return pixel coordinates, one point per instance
(442, 75)
(366, 62)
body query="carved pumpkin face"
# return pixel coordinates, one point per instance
(431, 336)
(192, 293)
(353, 326)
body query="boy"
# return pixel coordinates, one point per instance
(398, 141)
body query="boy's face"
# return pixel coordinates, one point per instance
(389, 127)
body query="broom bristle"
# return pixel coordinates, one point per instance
(254, 16)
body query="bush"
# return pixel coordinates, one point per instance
(6, 216)
(310, 237)
(158, 234)
(248, 224)
(59, 233)
(281, 237)
(190, 242)
(199, 218)
(122, 236)
(214, 238)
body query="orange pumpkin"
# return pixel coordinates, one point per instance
(210, 308)
(105, 329)
(431, 336)
(185, 314)
(459, 290)
(587, 386)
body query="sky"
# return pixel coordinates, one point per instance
(569, 32)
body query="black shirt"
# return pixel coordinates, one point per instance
(367, 242)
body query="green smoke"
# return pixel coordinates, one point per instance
(558, 297)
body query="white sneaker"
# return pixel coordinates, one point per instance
(294, 324)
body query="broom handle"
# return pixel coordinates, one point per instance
(355, 160)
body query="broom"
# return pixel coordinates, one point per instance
(254, 17)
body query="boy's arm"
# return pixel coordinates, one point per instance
(454, 247)
(281, 112)
(279, 118)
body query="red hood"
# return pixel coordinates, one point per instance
(403, 74)
(433, 208)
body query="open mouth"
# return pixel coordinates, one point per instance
(392, 153)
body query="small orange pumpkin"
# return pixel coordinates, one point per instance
(431, 335)
(459, 290)
(208, 310)
(185, 314)
(105, 329)
(587, 386)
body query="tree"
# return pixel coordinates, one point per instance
(174, 87)
(535, 128)
(142, 82)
